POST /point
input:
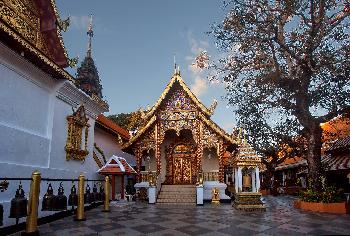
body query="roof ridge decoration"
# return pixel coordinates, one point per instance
(177, 78)
(140, 132)
(217, 129)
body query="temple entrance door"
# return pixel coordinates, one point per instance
(183, 163)
(182, 169)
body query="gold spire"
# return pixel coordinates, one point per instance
(90, 33)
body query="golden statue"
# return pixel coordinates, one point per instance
(215, 196)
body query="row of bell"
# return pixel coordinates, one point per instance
(51, 202)
(94, 196)
(58, 202)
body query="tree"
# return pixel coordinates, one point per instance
(274, 139)
(121, 119)
(129, 121)
(293, 57)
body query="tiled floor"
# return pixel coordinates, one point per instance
(143, 219)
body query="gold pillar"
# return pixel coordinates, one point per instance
(80, 209)
(107, 194)
(32, 218)
(221, 153)
(138, 163)
(157, 151)
(199, 146)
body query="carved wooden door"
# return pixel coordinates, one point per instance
(182, 169)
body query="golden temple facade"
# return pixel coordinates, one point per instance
(178, 138)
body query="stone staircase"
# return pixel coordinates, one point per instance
(177, 194)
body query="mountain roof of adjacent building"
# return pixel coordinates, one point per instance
(112, 127)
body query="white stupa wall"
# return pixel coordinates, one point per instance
(33, 127)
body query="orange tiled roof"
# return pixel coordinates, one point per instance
(336, 129)
(291, 162)
(112, 126)
(116, 166)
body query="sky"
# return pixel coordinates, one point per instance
(134, 46)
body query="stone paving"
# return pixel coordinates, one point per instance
(143, 219)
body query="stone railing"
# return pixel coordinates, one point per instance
(211, 176)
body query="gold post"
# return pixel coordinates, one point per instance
(80, 209)
(32, 218)
(107, 193)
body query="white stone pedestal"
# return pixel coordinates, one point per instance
(200, 196)
(208, 187)
(152, 195)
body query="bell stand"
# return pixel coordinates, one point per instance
(32, 217)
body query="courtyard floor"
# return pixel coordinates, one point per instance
(280, 218)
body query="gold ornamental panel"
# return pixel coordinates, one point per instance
(20, 16)
(182, 170)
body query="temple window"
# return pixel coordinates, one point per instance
(77, 139)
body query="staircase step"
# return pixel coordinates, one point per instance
(177, 194)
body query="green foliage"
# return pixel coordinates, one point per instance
(121, 119)
(285, 66)
(329, 195)
(129, 121)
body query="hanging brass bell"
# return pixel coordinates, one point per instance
(1, 214)
(18, 204)
(247, 181)
(89, 197)
(102, 193)
(95, 194)
(60, 200)
(47, 204)
(73, 197)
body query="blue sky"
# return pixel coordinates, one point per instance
(134, 45)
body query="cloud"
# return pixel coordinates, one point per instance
(229, 127)
(80, 23)
(199, 86)
(199, 83)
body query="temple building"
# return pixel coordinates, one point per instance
(178, 139)
(46, 121)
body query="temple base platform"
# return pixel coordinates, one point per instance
(246, 201)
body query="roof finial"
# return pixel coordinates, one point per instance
(178, 70)
(90, 33)
(175, 67)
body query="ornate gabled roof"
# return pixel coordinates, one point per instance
(30, 28)
(151, 117)
(177, 78)
(217, 129)
(140, 132)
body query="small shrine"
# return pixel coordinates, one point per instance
(117, 166)
(247, 180)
